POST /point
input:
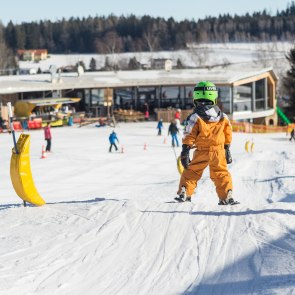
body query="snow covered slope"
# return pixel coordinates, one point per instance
(110, 225)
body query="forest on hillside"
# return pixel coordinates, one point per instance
(118, 34)
(132, 34)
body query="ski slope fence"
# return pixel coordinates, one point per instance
(255, 128)
(169, 115)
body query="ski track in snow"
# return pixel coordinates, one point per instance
(110, 225)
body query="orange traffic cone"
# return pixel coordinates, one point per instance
(165, 140)
(43, 156)
(145, 146)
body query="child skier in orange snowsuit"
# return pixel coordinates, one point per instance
(209, 131)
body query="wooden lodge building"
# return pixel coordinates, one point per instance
(243, 95)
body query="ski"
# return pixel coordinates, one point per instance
(181, 200)
(230, 204)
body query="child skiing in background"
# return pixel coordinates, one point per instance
(209, 131)
(48, 137)
(173, 130)
(112, 139)
(160, 126)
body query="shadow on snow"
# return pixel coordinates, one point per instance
(257, 285)
(220, 213)
(96, 200)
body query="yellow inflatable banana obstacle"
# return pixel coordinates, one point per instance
(247, 144)
(179, 166)
(20, 172)
(252, 146)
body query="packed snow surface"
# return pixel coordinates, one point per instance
(110, 225)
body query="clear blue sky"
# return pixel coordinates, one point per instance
(34, 10)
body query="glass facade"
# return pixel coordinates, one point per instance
(170, 96)
(124, 98)
(94, 97)
(242, 98)
(249, 97)
(188, 97)
(224, 99)
(146, 95)
(260, 95)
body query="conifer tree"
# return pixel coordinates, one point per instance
(289, 79)
(92, 64)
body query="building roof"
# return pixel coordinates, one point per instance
(44, 82)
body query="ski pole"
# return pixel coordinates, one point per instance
(13, 133)
(174, 153)
(11, 126)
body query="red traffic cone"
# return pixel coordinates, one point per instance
(145, 146)
(165, 140)
(43, 156)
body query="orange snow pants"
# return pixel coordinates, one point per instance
(213, 156)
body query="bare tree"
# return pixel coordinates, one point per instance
(113, 45)
(199, 55)
(266, 54)
(152, 40)
(151, 36)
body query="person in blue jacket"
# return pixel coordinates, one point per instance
(173, 130)
(160, 126)
(113, 138)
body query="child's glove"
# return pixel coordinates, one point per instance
(228, 154)
(184, 156)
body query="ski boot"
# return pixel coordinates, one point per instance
(182, 197)
(229, 199)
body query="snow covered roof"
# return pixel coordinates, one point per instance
(44, 82)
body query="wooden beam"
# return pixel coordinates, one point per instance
(254, 79)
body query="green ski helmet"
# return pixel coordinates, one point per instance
(205, 91)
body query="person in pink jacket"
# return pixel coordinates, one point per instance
(48, 137)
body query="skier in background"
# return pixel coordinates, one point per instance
(209, 131)
(48, 137)
(113, 138)
(173, 130)
(292, 135)
(177, 117)
(147, 115)
(146, 111)
(160, 126)
(1, 123)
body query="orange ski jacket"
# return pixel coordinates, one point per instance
(205, 134)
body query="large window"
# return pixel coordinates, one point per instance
(224, 99)
(260, 95)
(242, 97)
(97, 96)
(170, 97)
(94, 97)
(188, 97)
(146, 98)
(124, 98)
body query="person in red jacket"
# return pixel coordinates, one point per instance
(177, 117)
(48, 137)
